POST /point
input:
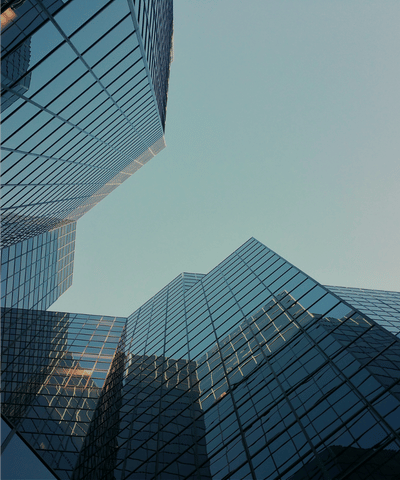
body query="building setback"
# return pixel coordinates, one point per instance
(83, 95)
(254, 370)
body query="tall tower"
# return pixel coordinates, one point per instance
(252, 371)
(84, 97)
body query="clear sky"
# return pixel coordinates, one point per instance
(283, 124)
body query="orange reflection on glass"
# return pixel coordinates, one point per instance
(7, 17)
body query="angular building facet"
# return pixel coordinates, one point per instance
(84, 92)
(379, 305)
(252, 371)
(54, 370)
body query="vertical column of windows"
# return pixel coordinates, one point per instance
(232, 423)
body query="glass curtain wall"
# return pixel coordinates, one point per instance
(253, 370)
(81, 111)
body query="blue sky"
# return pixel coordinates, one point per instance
(283, 124)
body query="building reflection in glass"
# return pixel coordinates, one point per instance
(54, 367)
(18, 22)
(251, 371)
(258, 396)
(160, 431)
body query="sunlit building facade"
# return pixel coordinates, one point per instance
(84, 94)
(54, 367)
(252, 371)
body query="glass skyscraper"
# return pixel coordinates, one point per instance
(381, 306)
(252, 371)
(84, 90)
(84, 94)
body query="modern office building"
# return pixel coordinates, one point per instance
(36, 271)
(381, 306)
(84, 94)
(55, 368)
(252, 371)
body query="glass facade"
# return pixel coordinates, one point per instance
(54, 366)
(11, 465)
(152, 19)
(379, 305)
(83, 101)
(36, 271)
(253, 370)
